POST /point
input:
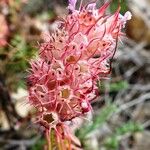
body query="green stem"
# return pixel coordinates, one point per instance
(48, 137)
(55, 141)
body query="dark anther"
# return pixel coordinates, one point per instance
(81, 47)
(59, 72)
(48, 62)
(90, 19)
(104, 44)
(60, 41)
(42, 96)
(84, 16)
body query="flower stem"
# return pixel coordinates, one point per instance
(48, 137)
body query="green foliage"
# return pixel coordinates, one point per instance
(128, 127)
(23, 49)
(98, 121)
(113, 87)
(112, 142)
(14, 61)
(39, 145)
(117, 86)
(114, 5)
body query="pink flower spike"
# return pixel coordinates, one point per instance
(63, 79)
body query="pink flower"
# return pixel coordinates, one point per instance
(3, 31)
(63, 79)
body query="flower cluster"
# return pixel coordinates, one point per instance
(62, 82)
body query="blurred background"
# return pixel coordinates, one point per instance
(121, 116)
